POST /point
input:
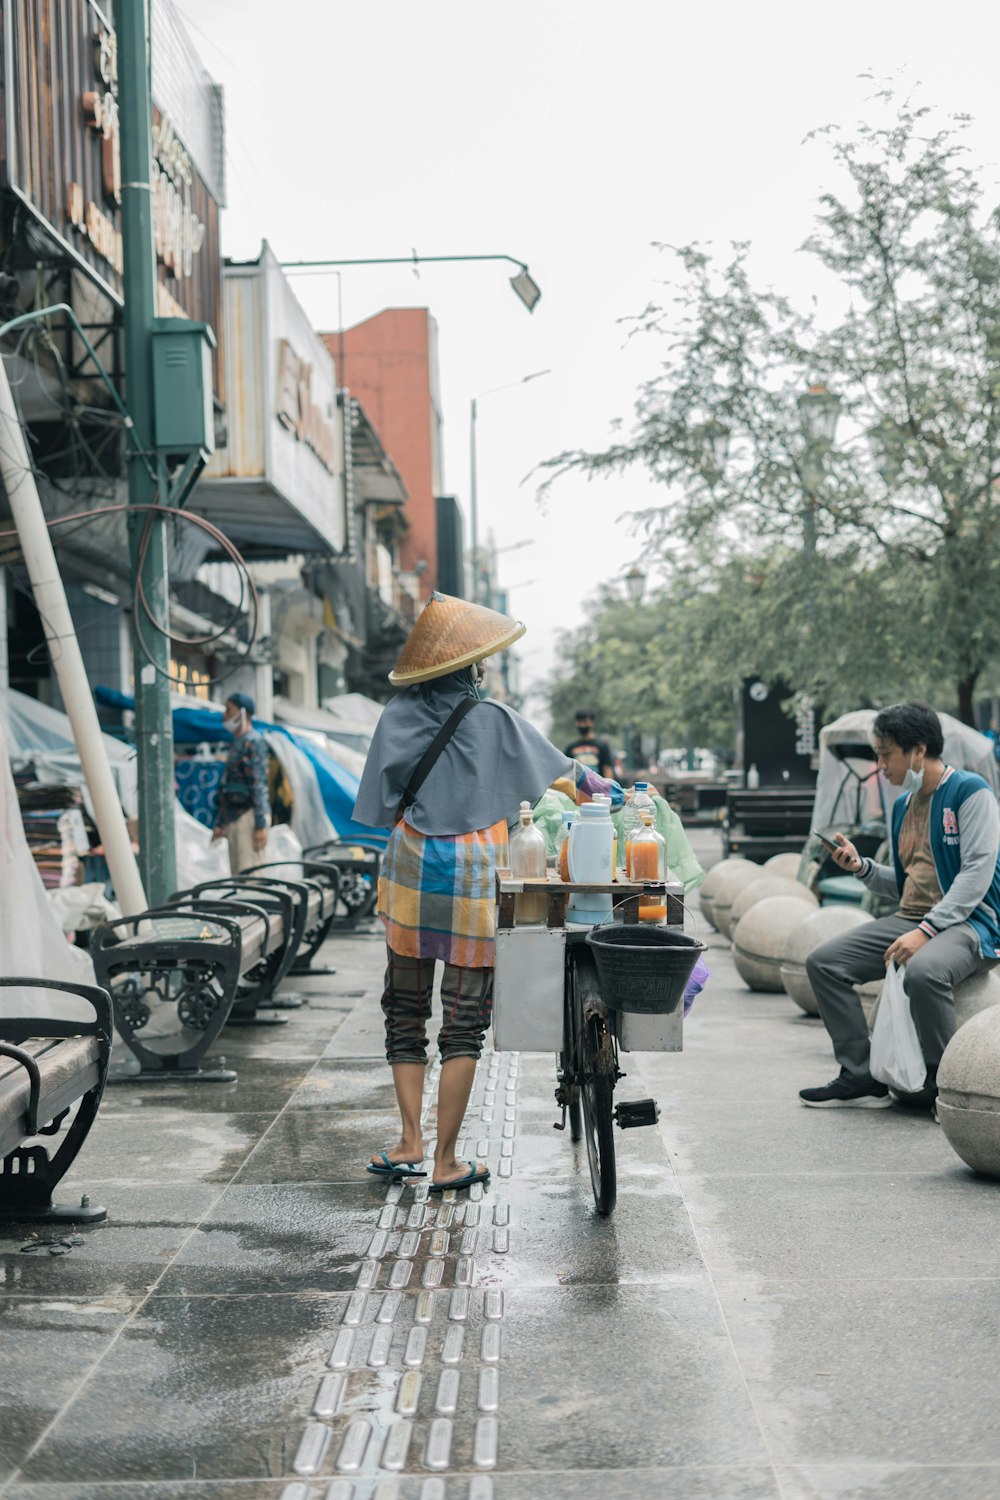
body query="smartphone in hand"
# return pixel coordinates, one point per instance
(829, 843)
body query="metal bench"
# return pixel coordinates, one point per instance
(316, 887)
(358, 864)
(765, 821)
(215, 954)
(46, 1066)
(174, 972)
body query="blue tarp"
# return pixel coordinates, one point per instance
(338, 788)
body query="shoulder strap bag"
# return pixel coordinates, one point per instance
(430, 755)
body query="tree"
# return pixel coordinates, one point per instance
(908, 499)
(669, 668)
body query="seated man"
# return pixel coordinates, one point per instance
(945, 874)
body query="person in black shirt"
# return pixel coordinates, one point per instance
(591, 752)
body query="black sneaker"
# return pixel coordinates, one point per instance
(844, 1092)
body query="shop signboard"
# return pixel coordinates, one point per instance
(276, 481)
(61, 153)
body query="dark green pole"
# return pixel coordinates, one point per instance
(146, 476)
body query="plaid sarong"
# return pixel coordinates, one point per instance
(437, 896)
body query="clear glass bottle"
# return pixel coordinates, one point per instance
(647, 850)
(562, 839)
(527, 862)
(629, 825)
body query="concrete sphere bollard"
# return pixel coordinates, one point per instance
(721, 884)
(976, 994)
(968, 1104)
(816, 928)
(759, 940)
(783, 864)
(730, 892)
(972, 996)
(760, 890)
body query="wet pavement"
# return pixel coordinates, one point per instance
(786, 1305)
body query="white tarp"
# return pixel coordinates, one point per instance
(198, 859)
(355, 708)
(310, 823)
(340, 731)
(40, 734)
(849, 791)
(31, 940)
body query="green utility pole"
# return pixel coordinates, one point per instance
(147, 473)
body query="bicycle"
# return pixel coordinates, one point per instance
(559, 1006)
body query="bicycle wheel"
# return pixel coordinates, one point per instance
(596, 1087)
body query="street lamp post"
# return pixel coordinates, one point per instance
(635, 583)
(473, 470)
(819, 411)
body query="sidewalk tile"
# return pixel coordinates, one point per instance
(910, 1225)
(210, 1387)
(904, 1372)
(296, 1237)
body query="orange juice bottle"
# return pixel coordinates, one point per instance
(647, 851)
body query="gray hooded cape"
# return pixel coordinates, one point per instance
(494, 761)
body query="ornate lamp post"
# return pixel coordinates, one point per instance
(819, 412)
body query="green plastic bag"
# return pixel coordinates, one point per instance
(547, 815)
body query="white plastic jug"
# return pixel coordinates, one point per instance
(591, 862)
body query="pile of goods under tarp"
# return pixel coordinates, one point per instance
(54, 828)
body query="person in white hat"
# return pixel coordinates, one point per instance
(449, 834)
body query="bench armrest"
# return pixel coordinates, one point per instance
(18, 1054)
(19, 1028)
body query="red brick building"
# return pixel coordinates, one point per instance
(390, 364)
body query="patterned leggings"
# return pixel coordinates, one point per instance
(466, 1002)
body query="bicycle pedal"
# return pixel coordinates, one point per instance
(634, 1112)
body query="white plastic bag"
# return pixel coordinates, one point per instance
(198, 859)
(896, 1058)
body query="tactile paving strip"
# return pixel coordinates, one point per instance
(416, 1364)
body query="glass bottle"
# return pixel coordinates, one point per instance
(629, 822)
(647, 851)
(527, 862)
(562, 839)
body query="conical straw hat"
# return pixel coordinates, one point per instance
(451, 634)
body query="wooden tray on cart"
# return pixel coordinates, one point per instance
(559, 891)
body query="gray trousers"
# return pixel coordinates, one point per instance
(929, 978)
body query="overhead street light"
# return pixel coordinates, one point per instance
(523, 283)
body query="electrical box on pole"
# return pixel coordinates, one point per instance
(184, 415)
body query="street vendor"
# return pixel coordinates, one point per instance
(243, 813)
(447, 771)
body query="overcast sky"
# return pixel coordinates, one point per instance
(571, 134)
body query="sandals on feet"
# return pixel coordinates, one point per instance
(388, 1168)
(476, 1175)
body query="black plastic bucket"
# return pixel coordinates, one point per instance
(641, 968)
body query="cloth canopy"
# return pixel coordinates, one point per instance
(307, 765)
(849, 789)
(43, 735)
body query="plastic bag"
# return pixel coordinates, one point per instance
(282, 844)
(896, 1058)
(198, 859)
(700, 974)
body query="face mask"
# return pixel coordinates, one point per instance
(232, 724)
(913, 780)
